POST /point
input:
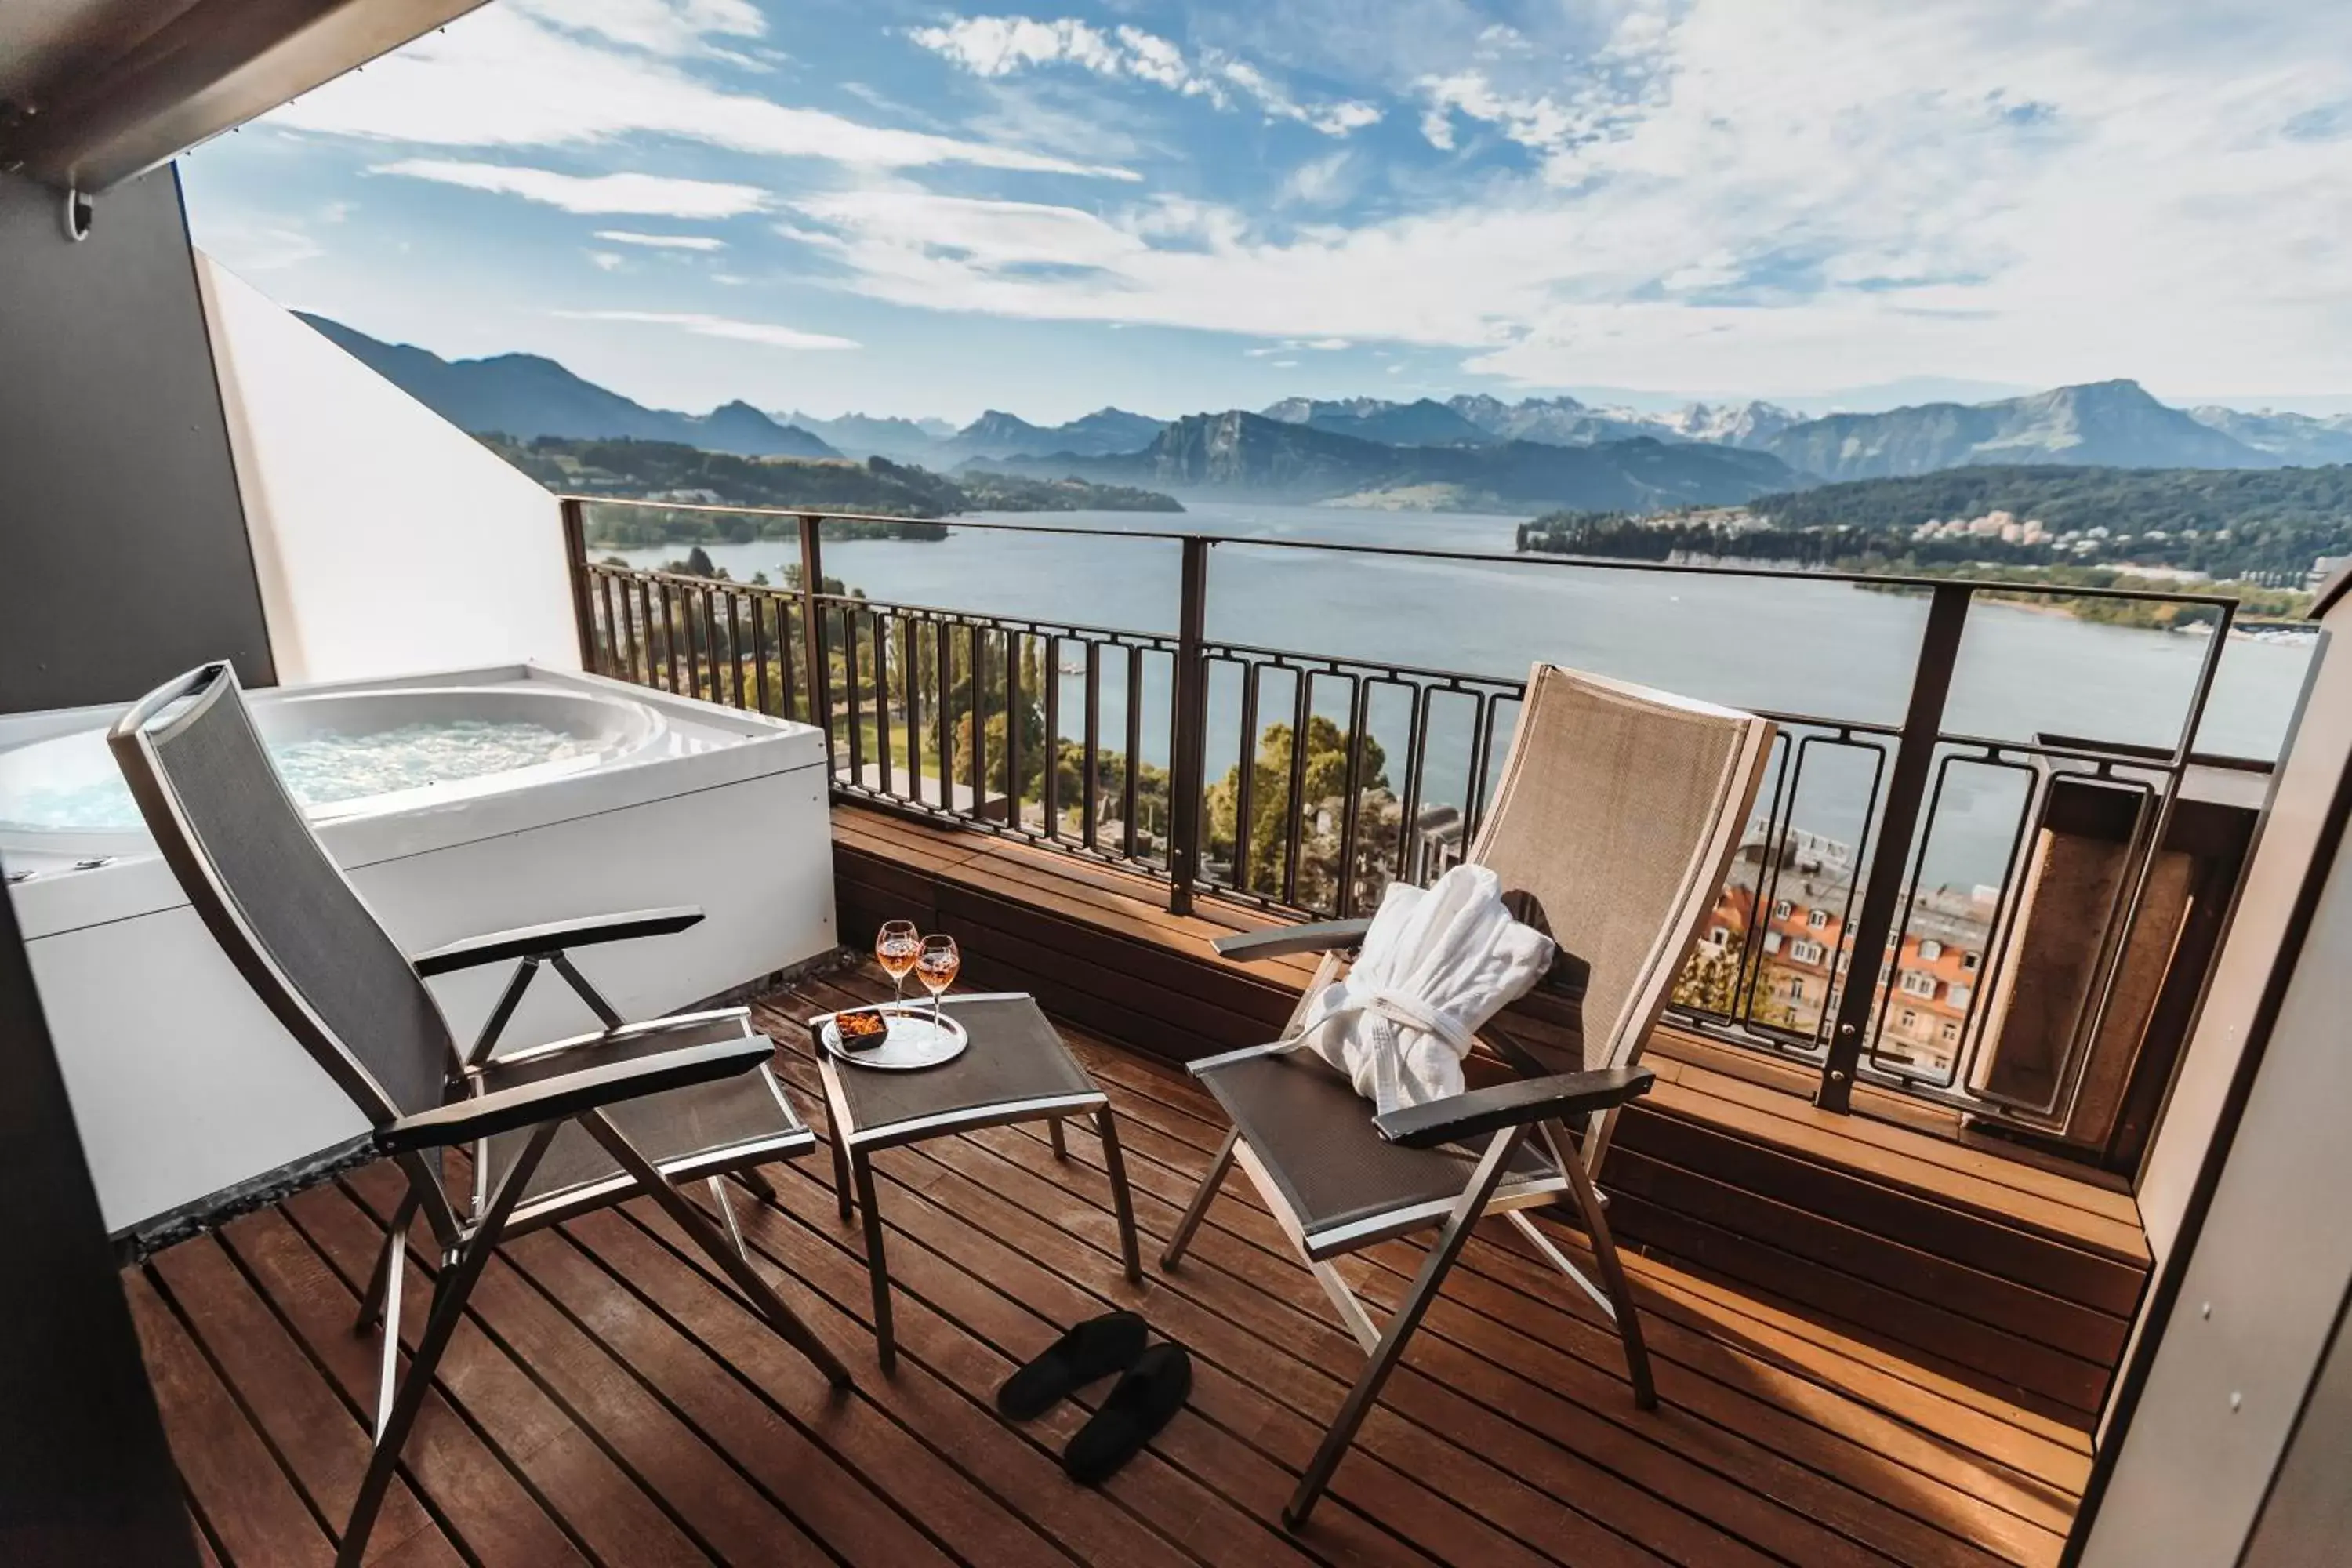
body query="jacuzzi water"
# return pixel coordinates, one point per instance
(343, 752)
(327, 767)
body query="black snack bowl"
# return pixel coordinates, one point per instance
(861, 1028)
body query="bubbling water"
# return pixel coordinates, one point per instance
(326, 767)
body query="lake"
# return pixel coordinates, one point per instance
(1823, 649)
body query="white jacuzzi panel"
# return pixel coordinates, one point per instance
(182, 1084)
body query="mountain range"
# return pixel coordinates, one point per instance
(1465, 447)
(1244, 453)
(525, 396)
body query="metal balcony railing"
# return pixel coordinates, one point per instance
(1348, 774)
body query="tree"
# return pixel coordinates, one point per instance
(1319, 813)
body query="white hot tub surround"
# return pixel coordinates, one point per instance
(580, 797)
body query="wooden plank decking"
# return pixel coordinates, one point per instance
(609, 1402)
(2020, 1278)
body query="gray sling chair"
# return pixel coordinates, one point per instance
(1612, 830)
(556, 1130)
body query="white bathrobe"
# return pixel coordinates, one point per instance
(1436, 964)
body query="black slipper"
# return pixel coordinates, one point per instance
(1095, 1348)
(1146, 1399)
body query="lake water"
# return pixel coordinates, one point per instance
(1822, 648)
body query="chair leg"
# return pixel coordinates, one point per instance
(841, 1173)
(1202, 1199)
(396, 1240)
(1053, 1133)
(761, 1188)
(877, 1267)
(727, 1212)
(697, 1225)
(1613, 1281)
(1122, 1201)
(450, 1290)
(1468, 1210)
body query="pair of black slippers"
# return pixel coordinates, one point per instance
(1153, 1385)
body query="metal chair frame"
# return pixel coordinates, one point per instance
(1505, 1118)
(473, 1112)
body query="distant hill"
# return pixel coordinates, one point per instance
(2295, 438)
(996, 434)
(2113, 424)
(525, 396)
(871, 435)
(661, 471)
(1248, 454)
(1425, 423)
(1557, 421)
(2268, 522)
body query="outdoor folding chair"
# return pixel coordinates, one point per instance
(556, 1130)
(1612, 830)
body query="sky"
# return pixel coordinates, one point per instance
(902, 208)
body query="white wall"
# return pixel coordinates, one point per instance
(387, 541)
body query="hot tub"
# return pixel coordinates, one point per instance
(344, 754)
(458, 803)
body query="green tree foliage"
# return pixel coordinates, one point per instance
(2261, 525)
(1324, 789)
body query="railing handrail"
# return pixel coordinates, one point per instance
(1412, 551)
(1913, 757)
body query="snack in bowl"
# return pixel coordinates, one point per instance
(861, 1028)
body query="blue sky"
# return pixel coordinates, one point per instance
(903, 208)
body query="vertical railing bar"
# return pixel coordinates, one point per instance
(1343, 898)
(760, 604)
(911, 641)
(1188, 724)
(1416, 757)
(816, 670)
(885, 772)
(1786, 778)
(943, 636)
(1012, 713)
(735, 645)
(625, 631)
(1051, 785)
(978, 710)
(1923, 722)
(849, 684)
(1092, 776)
(1246, 785)
(1131, 795)
(1294, 813)
(671, 620)
(573, 515)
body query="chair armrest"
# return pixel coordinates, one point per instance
(569, 1094)
(1460, 1116)
(1281, 941)
(545, 941)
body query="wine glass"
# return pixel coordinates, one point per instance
(896, 947)
(936, 967)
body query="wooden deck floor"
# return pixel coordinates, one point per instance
(2019, 1278)
(608, 1402)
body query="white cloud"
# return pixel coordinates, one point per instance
(676, 28)
(1002, 46)
(653, 196)
(604, 261)
(663, 241)
(1819, 192)
(763, 332)
(501, 77)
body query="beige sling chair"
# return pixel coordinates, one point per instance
(1612, 830)
(555, 1129)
